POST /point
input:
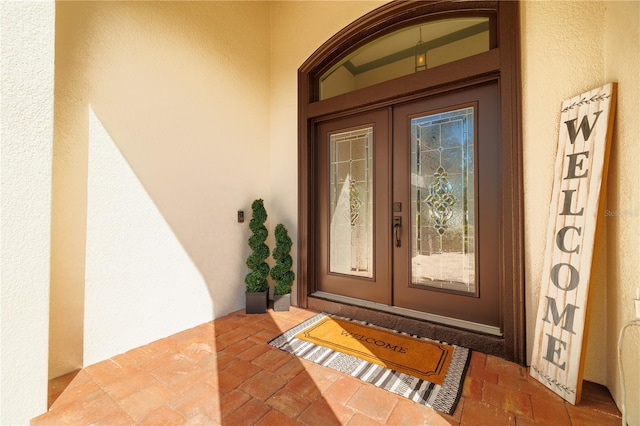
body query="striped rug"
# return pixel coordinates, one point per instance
(442, 397)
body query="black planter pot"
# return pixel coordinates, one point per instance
(256, 303)
(281, 302)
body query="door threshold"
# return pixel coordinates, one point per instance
(438, 319)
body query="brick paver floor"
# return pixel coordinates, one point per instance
(223, 372)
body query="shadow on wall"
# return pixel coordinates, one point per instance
(158, 140)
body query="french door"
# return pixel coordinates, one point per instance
(354, 170)
(409, 206)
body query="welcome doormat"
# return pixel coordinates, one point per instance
(428, 372)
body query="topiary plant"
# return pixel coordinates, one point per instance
(256, 280)
(281, 271)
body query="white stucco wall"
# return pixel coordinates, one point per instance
(26, 132)
(622, 64)
(161, 135)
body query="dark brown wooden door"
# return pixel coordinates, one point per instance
(353, 199)
(446, 178)
(409, 206)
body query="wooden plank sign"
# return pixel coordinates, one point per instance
(586, 125)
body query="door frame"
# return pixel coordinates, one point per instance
(501, 63)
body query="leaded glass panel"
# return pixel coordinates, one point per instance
(442, 200)
(351, 196)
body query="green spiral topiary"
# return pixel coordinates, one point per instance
(281, 271)
(256, 280)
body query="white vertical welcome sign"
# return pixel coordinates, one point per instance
(586, 124)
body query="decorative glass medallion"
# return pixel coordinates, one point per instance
(441, 200)
(351, 199)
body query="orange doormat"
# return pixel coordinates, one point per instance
(421, 358)
(425, 371)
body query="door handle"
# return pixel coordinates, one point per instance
(397, 225)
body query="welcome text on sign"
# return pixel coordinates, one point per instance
(575, 170)
(580, 171)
